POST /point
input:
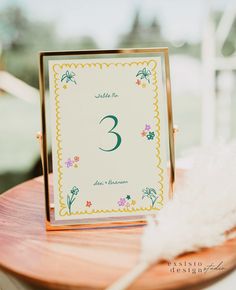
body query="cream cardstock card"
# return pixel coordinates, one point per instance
(109, 137)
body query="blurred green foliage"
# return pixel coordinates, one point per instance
(22, 39)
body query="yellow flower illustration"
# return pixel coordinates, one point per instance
(143, 85)
(65, 87)
(133, 202)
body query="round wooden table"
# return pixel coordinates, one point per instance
(84, 259)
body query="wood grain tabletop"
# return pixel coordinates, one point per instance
(87, 259)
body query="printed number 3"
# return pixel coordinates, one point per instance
(118, 137)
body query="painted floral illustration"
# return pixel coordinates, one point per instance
(126, 201)
(143, 133)
(150, 193)
(147, 132)
(71, 197)
(138, 82)
(72, 162)
(133, 202)
(69, 163)
(150, 135)
(88, 203)
(143, 77)
(121, 201)
(68, 76)
(76, 158)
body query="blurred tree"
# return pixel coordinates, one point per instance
(87, 42)
(141, 35)
(22, 39)
(84, 42)
(151, 35)
(13, 26)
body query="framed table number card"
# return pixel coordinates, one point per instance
(108, 120)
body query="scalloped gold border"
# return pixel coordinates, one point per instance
(63, 208)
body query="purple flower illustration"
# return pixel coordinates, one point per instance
(69, 163)
(121, 202)
(147, 127)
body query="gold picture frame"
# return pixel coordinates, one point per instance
(49, 206)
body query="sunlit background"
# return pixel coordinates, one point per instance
(200, 34)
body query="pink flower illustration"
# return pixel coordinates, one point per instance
(138, 82)
(121, 202)
(143, 133)
(76, 158)
(88, 203)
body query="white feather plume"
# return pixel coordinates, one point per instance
(202, 211)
